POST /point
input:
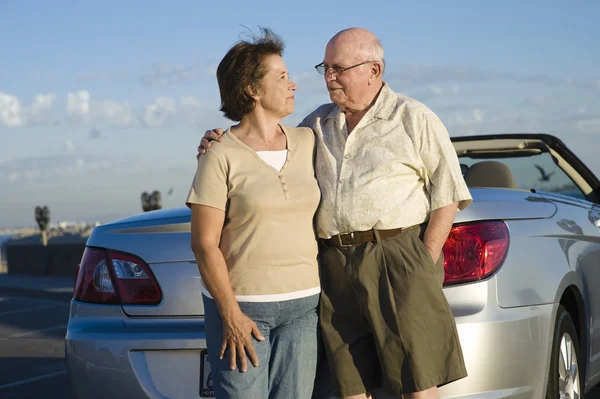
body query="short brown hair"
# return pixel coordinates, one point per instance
(243, 68)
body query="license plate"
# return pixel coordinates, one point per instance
(207, 389)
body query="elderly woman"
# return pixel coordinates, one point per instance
(252, 202)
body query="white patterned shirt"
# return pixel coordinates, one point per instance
(396, 166)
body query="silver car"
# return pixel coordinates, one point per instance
(522, 273)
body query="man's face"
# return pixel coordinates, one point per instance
(347, 89)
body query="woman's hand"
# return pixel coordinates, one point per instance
(237, 332)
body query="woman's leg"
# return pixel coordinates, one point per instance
(233, 384)
(294, 349)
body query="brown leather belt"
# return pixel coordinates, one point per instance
(361, 237)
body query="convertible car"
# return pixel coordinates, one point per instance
(522, 270)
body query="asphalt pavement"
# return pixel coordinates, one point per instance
(32, 332)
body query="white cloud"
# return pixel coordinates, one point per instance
(161, 113)
(115, 113)
(78, 105)
(11, 113)
(81, 108)
(477, 115)
(41, 107)
(69, 146)
(191, 110)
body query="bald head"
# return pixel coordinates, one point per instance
(354, 67)
(364, 44)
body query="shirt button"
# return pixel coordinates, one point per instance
(342, 181)
(347, 156)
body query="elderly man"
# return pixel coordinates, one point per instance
(391, 185)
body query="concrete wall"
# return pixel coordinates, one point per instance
(53, 260)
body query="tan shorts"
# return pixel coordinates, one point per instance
(385, 320)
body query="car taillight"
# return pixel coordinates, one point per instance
(111, 277)
(474, 251)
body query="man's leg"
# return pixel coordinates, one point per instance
(347, 336)
(415, 333)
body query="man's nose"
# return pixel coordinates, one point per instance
(329, 76)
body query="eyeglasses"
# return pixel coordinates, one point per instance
(322, 69)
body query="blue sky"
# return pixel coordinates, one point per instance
(100, 101)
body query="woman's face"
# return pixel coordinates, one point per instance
(276, 90)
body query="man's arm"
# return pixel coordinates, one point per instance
(438, 228)
(447, 188)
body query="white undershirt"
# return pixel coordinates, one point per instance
(274, 158)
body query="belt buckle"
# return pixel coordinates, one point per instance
(342, 243)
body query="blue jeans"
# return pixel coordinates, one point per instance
(288, 356)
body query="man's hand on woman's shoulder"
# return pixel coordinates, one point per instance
(209, 135)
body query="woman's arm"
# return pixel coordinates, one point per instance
(207, 225)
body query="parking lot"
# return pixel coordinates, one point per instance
(32, 332)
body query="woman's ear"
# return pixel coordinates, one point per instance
(252, 92)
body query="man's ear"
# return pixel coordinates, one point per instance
(376, 71)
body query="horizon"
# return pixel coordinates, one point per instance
(102, 101)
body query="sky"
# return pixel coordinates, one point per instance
(101, 101)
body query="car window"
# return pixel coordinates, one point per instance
(533, 172)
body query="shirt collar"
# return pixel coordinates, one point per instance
(382, 109)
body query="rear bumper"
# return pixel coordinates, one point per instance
(110, 355)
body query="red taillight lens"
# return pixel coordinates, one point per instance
(474, 251)
(109, 277)
(94, 284)
(135, 282)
